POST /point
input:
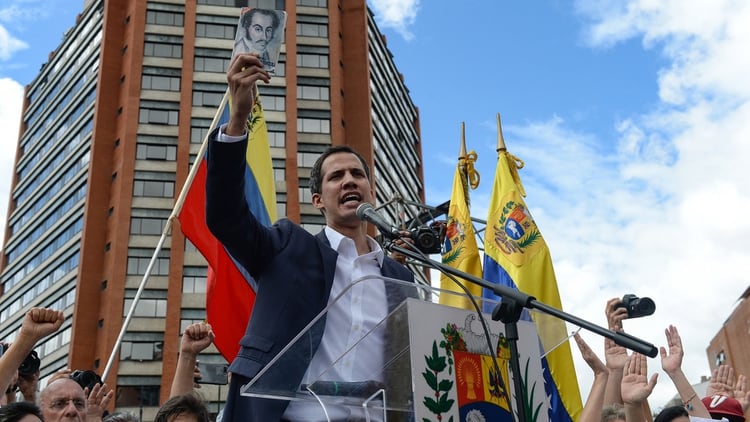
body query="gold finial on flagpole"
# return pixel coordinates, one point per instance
(500, 139)
(462, 151)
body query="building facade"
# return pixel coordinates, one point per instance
(110, 128)
(732, 341)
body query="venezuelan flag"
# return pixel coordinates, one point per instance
(230, 290)
(460, 250)
(517, 256)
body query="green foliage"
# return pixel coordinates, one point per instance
(439, 403)
(528, 397)
(530, 239)
(453, 255)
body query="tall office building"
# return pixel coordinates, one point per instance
(110, 127)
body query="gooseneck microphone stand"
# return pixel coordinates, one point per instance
(509, 312)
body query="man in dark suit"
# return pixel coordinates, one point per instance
(297, 273)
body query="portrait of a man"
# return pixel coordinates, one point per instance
(261, 31)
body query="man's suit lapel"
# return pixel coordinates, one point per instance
(329, 257)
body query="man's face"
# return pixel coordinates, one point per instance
(260, 31)
(63, 400)
(343, 188)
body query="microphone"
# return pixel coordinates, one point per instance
(366, 212)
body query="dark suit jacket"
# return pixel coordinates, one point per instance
(294, 271)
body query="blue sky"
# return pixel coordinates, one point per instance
(632, 118)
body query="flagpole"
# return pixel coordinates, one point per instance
(500, 139)
(176, 210)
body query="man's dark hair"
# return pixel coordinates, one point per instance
(13, 412)
(316, 174)
(671, 412)
(247, 18)
(185, 404)
(613, 412)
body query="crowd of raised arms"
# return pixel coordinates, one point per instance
(621, 384)
(619, 392)
(321, 265)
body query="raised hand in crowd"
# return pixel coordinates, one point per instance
(592, 410)
(723, 383)
(37, 324)
(615, 356)
(636, 387)
(97, 401)
(671, 363)
(28, 385)
(196, 338)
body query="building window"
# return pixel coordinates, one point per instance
(210, 60)
(218, 2)
(159, 113)
(274, 103)
(194, 280)
(207, 99)
(155, 152)
(199, 130)
(139, 259)
(153, 188)
(163, 82)
(147, 226)
(276, 139)
(305, 92)
(720, 359)
(161, 17)
(163, 49)
(141, 351)
(313, 3)
(317, 61)
(147, 308)
(312, 30)
(308, 125)
(137, 395)
(215, 30)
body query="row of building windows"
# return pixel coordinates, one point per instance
(66, 300)
(53, 189)
(71, 143)
(88, 55)
(45, 281)
(47, 222)
(50, 248)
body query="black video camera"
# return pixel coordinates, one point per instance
(30, 364)
(86, 379)
(637, 306)
(428, 239)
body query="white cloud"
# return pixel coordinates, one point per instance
(9, 44)
(10, 115)
(396, 14)
(677, 201)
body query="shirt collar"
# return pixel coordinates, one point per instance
(335, 238)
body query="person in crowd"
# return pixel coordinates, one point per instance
(724, 407)
(195, 339)
(22, 411)
(259, 29)
(615, 356)
(723, 383)
(121, 417)
(592, 410)
(613, 413)
(64, 399)
(37, 324)
(673, 414)
(297, 273)
(636, 387)
(671, 363)
(184, 408)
